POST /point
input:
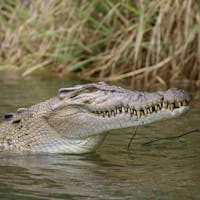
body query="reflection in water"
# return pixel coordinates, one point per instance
(164, 170)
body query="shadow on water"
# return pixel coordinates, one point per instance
(164, 170)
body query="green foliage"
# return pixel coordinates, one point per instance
(107, 39)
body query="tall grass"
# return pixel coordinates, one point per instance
(141, 41)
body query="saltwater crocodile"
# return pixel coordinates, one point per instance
(78, 118)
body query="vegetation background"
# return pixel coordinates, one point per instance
(143, 41)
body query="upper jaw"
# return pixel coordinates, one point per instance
(141, 104)
(104, 100)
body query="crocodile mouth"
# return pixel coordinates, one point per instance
(148, 110)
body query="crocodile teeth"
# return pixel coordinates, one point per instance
(165, 104)
(138, 114)
(118, 111)
(113, 113)
(184, 103)
(132, 111)
(107, 113)
(145, 111)
(171, 106)
(126, 109)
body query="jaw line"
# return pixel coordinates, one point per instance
(165, 114)
(160, 115)
(177, 111)
(101, 125)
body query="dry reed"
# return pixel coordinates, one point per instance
(140, 41)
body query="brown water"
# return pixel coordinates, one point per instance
(169, 169)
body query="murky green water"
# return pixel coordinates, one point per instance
(167, 169)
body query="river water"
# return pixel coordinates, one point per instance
(168, 169)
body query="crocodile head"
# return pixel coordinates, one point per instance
(80, 116)
(96, 108)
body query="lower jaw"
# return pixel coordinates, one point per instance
(126, 120)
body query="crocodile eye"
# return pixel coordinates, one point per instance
(8, 116)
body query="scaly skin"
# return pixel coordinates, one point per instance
(77, 120)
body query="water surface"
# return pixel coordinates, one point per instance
(169, 169)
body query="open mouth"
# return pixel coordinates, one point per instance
(164, 105)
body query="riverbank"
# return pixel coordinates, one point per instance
(141, 42)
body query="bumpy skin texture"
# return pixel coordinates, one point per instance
(78, 118)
